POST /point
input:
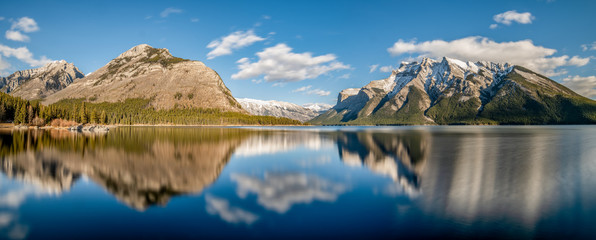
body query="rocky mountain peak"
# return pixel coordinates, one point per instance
(144, 51)
(39, 82)
(452, 91)
(153, 73)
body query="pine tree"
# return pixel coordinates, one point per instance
(2, 112)
(83, 114)
(93, 117)
(102, 117)
(21, 116)
(30, 114)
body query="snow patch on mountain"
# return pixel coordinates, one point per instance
(278, 109)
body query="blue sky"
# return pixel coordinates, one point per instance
(306, 51)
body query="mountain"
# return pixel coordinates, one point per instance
(318, 107)
(277, 109)
(151, 73)
(451, 91)
(40, 82)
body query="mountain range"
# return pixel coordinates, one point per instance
(451, 91)
(283, 109)
(446, 91)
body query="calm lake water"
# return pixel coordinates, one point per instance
(355, 182)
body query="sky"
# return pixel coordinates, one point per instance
(306, 51)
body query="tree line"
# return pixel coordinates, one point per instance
(128, 112)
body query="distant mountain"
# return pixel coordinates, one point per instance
(151, 73)
(279, 109)
(40, 82)
(318, 107)
(451, 91)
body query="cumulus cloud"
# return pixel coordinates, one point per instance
(493, 26)
(166, 12)
(280, 64)
(510, 17)
(373, 68)
(235, 40)
(279, 191)
(24, 55)
(222, 208)
(309, 91)
(24, 24)
(477, 48)
(16, 36)
(591, 46)
(585, 86)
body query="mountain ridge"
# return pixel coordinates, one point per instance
(451, 91)
(37, 83)
(281, 109)
(151, 73)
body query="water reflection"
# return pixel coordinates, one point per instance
(500, 182)
(141, 167)
(399, 156)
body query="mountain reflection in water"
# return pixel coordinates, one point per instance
(421, 181)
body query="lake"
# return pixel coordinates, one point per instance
(298, 182)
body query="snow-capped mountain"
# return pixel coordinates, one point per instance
(40, 82)
(279, 109)
(318, 107)
(450, 91)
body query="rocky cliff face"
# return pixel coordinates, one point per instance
(451, 91)
(151, 73)
(278, 109)
(40, 82)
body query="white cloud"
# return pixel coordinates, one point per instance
(279, 192)
(235, 40)
(386, 68)
(222, 208)
(513, 16)
(345, 76)
(585, 86)
(477, 48)
(194, 20)
(1, 18)
(302, 89)
(266, 17)
(25, 24)
(309, 91)
(373, 68)
(493, 26)
(24, 55)
(591, 46)
(319, 92)
(280, 64)
(16, 36)
(166, 12)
